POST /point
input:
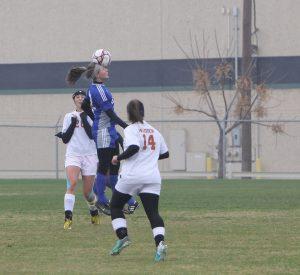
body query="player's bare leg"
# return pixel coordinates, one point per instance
(91, 198)
(69, 200)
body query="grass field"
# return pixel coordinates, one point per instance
(213, 227)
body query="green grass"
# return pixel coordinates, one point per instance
(213, 227)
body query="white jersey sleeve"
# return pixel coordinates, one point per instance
(131, 136)
(163, 146)
(66, 123)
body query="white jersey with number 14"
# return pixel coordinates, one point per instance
(142, 167)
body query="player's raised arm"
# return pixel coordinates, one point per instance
(69, 126)
(86, 125)
(87, 108)
(114, 117)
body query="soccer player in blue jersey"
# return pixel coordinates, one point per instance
(99, 104)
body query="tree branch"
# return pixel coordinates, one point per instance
(198, 111)
(185, 53)
(211, 102)
(181, 108)
(219, 53)
(232, 101)
(241, 120)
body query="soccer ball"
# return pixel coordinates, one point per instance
(101, 57)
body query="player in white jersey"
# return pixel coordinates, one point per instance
(143, 146)
(81, 158)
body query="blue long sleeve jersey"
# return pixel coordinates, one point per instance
(103, 130)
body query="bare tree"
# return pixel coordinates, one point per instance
(237, 105)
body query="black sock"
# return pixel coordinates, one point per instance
(121, 232)
(94, 213)
(68, 215)
(158, 239)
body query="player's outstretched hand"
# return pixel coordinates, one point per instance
(59, 135)
(114, 160)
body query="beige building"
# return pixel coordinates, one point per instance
(150, 42)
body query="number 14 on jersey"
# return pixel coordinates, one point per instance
(149, 141)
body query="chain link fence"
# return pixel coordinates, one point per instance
(32, 151)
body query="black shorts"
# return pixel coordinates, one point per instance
(105, 156)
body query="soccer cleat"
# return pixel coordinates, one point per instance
(120, 244)
(103, 207)
(95, 219)
(161, 252)
(67, 224)
(131, 208)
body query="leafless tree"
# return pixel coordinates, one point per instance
(210, 86)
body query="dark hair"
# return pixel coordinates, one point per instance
(75, 73)
(135, 111)
(79, 92)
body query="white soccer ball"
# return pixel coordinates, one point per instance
(101, 57)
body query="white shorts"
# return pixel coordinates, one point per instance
(87, 164)
(135, 189)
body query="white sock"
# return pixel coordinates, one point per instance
(69, 202)
(118, 223)
(158, 231)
